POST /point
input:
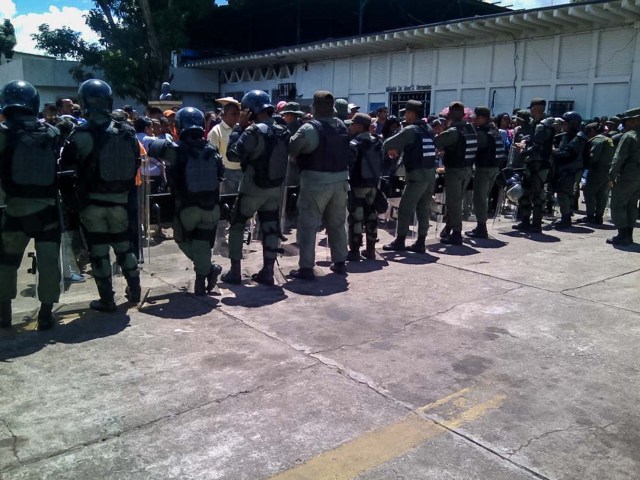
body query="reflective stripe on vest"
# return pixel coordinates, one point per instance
(428, 149)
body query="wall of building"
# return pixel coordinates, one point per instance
(598, 70)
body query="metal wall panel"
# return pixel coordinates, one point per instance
(379, 78)
(615, 52)
(533, 91)
(503, 100)
(539, 59)
(341, 71)
(442, 98)
(610, 99)
(449, 60)
(477, 61)
(359, 74)
(503, 68)
(473, 97)
(422, 67)
(577, 93)
(399, 69)
(575, 56)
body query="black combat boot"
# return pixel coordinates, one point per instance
(598, 220)
(370, 252)
(265, 275)
(105, 303)
(445, 232)
(133, 290)
(354, 255)
(455, 238)
(564, 222)
(45, 316)
(630, 234)
(397, 245)
(479, 232)
(536, 222)
(523, 226)
(621, 239)
(5, 314)
(199, 289)
(418, 246)
(303, 274)
(234, 275)
(338, 267)
(212, 277)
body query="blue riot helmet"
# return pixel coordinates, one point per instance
(96, 97)
(257, 101)
(190, 119)
(19, 95)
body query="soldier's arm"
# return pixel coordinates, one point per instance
(595, 152)
(447, 138)
(399, 141)
(243, 145)
(483, 139)
(76, 150)
(620, 157)
(305, 140)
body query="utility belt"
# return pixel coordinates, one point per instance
(34, 225)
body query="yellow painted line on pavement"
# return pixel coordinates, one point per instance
(381, 445)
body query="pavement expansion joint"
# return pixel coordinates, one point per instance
(14, 440)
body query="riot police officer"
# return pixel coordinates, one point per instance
(460, 144)
(195, 172)
(260, 146)
(489, 157)
(105, 154)
(364, 178)
(536, 151)
(28, 170)
(568, 162)
(416, 142)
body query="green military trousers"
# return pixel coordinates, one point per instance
(596, 193)
(624, 202)
(564, 185)
(15, 236)
(322, 204)
(362, 216)
(416, 198)
(455, 185)
(106, 226)
(195, 234)
(534, 196)
(264, 201)
(483, 180)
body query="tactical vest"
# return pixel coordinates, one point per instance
(332, 154)
(271, 166)
(607, 150)
(546, 147)
(422, 152)
(367, 168)
(30, 161)
(114, 159)
(463, 153)
(196, 175)
(494, 154)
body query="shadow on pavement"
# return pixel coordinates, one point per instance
(635, 248)
(535, 237)
(456, 250)
(254, 296)
(485, 242)
(23, 339)
(321, 286)
(409, 258)
(178, 306)
(572, 229)
(367, 266)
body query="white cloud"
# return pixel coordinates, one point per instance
(28, 24)
(7, 9)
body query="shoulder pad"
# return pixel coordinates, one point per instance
(548, 122)
(257, 127)
(582, 135)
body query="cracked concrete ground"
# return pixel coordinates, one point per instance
(508, 358)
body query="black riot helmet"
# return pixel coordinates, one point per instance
(190, 119)
(96, 97)
(257, 101)
(573, 119)
(19, 96)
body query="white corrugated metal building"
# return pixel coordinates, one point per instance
(582, 56)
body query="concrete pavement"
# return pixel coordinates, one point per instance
(508, 358)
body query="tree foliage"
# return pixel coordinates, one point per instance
(7, 39)
(136, 38)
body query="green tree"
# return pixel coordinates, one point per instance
(7, 39)
(134, 57)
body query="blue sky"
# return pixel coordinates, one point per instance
(27, 15)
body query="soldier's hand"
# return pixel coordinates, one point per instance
(520, 146)
(245, 118)
(393, 153)
(611, 183)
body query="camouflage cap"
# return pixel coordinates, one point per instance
(292, 107)
(362, 119)
(592, 126)
(482, 112)
(323, 97)
(523, 115)
(538, 101)
(632, 113)
(341, 107)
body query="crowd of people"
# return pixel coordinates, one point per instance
(90, 164)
